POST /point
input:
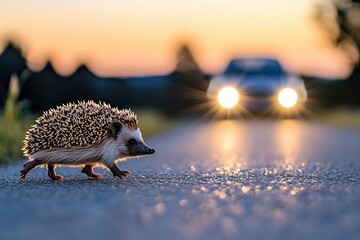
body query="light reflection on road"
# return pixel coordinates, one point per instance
(241, 144)
(289, 140)
(244, 144)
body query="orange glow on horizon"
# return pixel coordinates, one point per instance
(141, 37)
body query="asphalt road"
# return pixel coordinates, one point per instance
(220, 180)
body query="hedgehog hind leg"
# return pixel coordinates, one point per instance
(88, 170)
(52, 173)
(28, 166)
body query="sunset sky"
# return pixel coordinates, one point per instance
(138, 37)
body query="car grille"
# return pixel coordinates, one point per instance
(259, 94)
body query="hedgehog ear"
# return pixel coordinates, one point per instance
(115, 128)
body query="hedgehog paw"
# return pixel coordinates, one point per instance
(124, 173)
(95, 175)
(23, 174)
(117, 172)
(88, 170)
(57, 177)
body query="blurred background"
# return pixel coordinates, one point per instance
(159, 57)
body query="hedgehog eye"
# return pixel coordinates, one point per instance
(132, 142)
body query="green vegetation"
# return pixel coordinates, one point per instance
(152, 122)
(341, 116)
(13, 124)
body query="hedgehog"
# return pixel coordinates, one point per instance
(83, 134)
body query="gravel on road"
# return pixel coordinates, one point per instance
(219, 180)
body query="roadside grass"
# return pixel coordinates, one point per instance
(152, 123)
(13, 125)
(347, 117)
(11, 137)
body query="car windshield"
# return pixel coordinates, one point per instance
(262, 67)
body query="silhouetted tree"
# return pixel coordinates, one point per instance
(11, 62)
(42, 89)
(186, 62)
(189, 84)
(341, 20)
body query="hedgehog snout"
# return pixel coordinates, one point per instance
(140, 149)
(151, 151)
(145, 149)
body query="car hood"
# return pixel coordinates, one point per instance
(261, 86)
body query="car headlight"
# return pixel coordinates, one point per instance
(288, 97)
(228, 97)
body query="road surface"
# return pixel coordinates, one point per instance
(221, 180)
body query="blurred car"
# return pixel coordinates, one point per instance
(257, 85)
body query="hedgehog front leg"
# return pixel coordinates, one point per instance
(52, 173)
(88, 170)
(117, 172)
